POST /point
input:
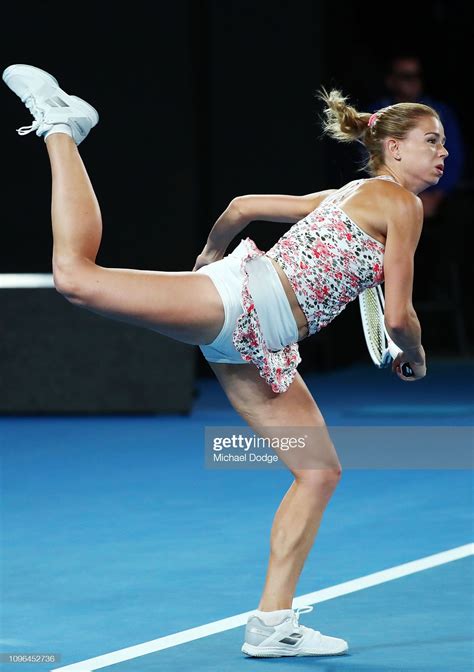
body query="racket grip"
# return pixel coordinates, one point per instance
(394, 351)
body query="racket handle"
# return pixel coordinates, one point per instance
(394, 352)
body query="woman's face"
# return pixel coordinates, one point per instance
(422, 153)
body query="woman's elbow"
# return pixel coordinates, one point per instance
(238, 208)
(399, 322)
(396, 325)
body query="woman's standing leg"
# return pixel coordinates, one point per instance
(273, 630)
(299, 515)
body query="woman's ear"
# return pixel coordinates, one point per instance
(393, 147)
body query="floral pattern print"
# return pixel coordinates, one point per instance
(329, 261)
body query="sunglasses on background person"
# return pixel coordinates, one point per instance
(408, 76)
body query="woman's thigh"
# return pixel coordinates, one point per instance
(182, 305)
(293, 414)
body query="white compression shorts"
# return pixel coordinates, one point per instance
(278, 324)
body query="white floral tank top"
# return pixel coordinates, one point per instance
(329, 260)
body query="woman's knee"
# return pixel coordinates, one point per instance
(324, 480)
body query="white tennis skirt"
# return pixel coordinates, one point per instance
(277, 322)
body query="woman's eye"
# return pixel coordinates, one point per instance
(432, 140)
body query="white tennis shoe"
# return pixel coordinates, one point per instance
(48, 103)
(289, 638)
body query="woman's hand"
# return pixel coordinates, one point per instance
(417, 364)
(208, 256)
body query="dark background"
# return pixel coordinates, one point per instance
(203, 101)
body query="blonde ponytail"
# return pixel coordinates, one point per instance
(343, 122)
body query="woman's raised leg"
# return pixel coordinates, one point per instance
(182, 305)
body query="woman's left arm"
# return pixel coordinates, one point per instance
(244, 209)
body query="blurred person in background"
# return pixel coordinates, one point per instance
(405, 83)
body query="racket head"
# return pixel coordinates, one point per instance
(371, 305)
(381, 347)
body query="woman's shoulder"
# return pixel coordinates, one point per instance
(380, 195)
(392, 192)
(377, 204)
(398, 204)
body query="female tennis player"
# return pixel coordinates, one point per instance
(248, 310)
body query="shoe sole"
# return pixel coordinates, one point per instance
(85, 107)
(257, 652)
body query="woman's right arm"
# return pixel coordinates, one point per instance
(405, 221)
(244, 209)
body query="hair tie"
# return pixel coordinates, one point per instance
(373, 119)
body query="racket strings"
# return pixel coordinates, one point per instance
(371, 307)
(376, 332)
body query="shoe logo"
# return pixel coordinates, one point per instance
(56, 102)
(60, 102)
(293, 639)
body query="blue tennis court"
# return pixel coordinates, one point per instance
(116, 535)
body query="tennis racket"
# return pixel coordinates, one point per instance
(379, 344)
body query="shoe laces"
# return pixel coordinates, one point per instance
(38, 114)
(296, 617)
